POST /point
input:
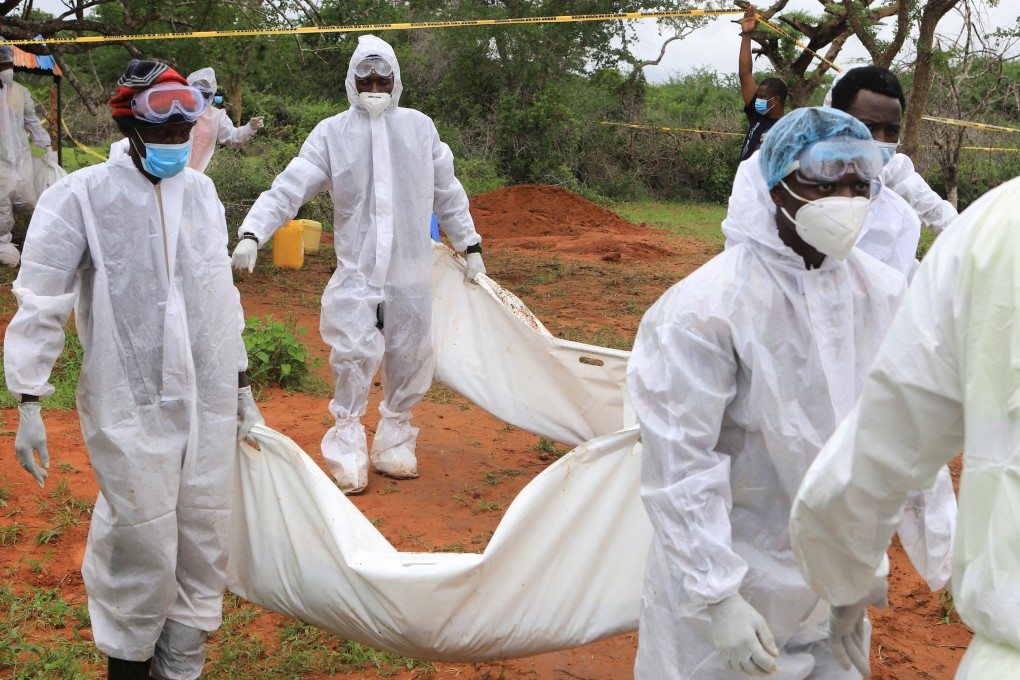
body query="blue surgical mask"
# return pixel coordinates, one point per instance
(762, 106)
(166, 160)
(888, 150)
(218, 99)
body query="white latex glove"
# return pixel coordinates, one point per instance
(31, 437)
(257, 123)
(50, 156)
(245, 254)
(248, 414)
(846, 631)
(475, 266)
(742, 637)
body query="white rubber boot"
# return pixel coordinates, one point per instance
(346, 452)
(9, 255)
(393, 447)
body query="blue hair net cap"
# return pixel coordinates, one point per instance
(6, 53)
(798, 130)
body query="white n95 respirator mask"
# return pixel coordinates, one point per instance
(7, 77)
(830, 225)
(374, 102)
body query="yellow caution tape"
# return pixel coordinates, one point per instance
(989, 148)
(796, 42)
(670, 129)
(379, 27)
(81, 146)
(966, 123)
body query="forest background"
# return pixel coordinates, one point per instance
(529, 103)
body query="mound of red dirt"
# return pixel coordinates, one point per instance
(544, 218)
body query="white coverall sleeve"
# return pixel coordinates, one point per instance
(907, 425)
(232, 136)
(451, 202)
(927, 529)
(936, 213)
(681, 377)
(212, 196)
(46, 290)
(303, 178)
(33, 125)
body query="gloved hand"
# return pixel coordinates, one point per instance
(245, 254)
(248, 414)
(475, 266)
(31, 437)
(742, 637)
(257, 123)
(50, 156)
(850, 645)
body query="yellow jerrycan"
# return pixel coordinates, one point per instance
(289, 246)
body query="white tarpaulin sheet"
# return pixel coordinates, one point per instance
(564, 566)
(491, 349)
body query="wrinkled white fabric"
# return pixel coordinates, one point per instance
(386, 175)
(345, 450)
(935, 212)
(214, 125)
(393, 447)
(180, 652)
(945, 381)
(17, 190)
(890, 234)
(46, 172)
(739, 374)
(492, 350)
(146, 272)
(562, 569)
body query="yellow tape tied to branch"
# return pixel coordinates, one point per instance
(304, 30)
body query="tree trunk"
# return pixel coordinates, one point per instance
(934, 10)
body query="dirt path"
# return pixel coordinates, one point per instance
(589, 277)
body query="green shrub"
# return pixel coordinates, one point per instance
(275, 355)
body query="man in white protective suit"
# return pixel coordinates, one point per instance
(739, 374)
(214, 125)
(386, 170)
(137, 248)
(944, 381)
(874, 96)
(17, 116)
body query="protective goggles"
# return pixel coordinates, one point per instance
(828, 160)
(158, 103)
(373, 64)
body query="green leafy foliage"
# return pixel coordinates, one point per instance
(275, 355)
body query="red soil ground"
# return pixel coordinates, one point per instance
(469, 461)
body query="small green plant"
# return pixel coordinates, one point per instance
(547, 449)
(486, 506)
(48, 535)
(946, 607)
(275, 355)
(67, 467)
(10, 534)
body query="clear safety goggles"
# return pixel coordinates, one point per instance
(370, 65)
(158, 103)
(828, 160)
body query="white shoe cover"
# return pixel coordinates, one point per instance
(393, 448)
(346, 452)
(180, 652)
(9, 255)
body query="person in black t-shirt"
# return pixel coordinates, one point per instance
(765, 102)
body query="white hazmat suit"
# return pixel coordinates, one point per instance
(890, 234)
(160, 322)
(739, 374)
(17, 115)
(944, 381)
(214, 125)
(386, 175)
